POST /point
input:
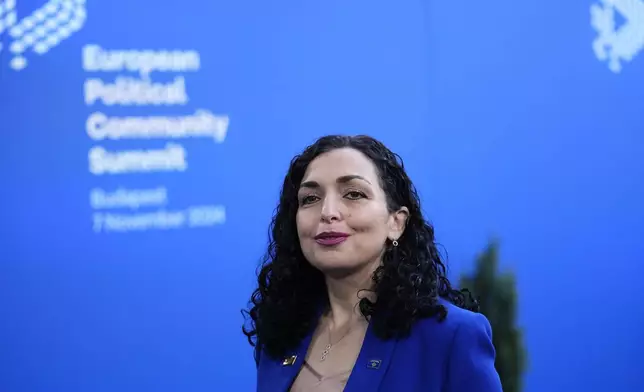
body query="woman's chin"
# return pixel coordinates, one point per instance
(338, 268)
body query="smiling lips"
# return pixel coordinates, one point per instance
(330, 238)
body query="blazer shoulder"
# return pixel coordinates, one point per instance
(470, 352)
(467, 321)
(458, 321)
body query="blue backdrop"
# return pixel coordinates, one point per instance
(145, 142)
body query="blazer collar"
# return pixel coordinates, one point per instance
(291, 364)
(372, 363)
(370, 367)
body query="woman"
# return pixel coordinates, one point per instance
(353, 295)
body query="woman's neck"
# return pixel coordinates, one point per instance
(344, 297)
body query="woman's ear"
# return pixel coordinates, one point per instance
(397, 223)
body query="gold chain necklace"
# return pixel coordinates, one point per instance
(327, 348)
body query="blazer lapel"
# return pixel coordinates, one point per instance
(290, 365)
(372, 363)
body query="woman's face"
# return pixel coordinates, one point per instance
(342, 220)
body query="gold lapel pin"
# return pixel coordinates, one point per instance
(374, 364)
(289, 361)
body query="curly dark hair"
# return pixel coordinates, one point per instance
(407, 285)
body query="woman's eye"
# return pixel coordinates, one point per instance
(355, 195)
(308, 199)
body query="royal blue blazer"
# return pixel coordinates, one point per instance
(455, 355)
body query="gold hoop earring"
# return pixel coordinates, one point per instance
(394, 243)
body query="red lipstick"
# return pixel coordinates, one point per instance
(329, 238)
